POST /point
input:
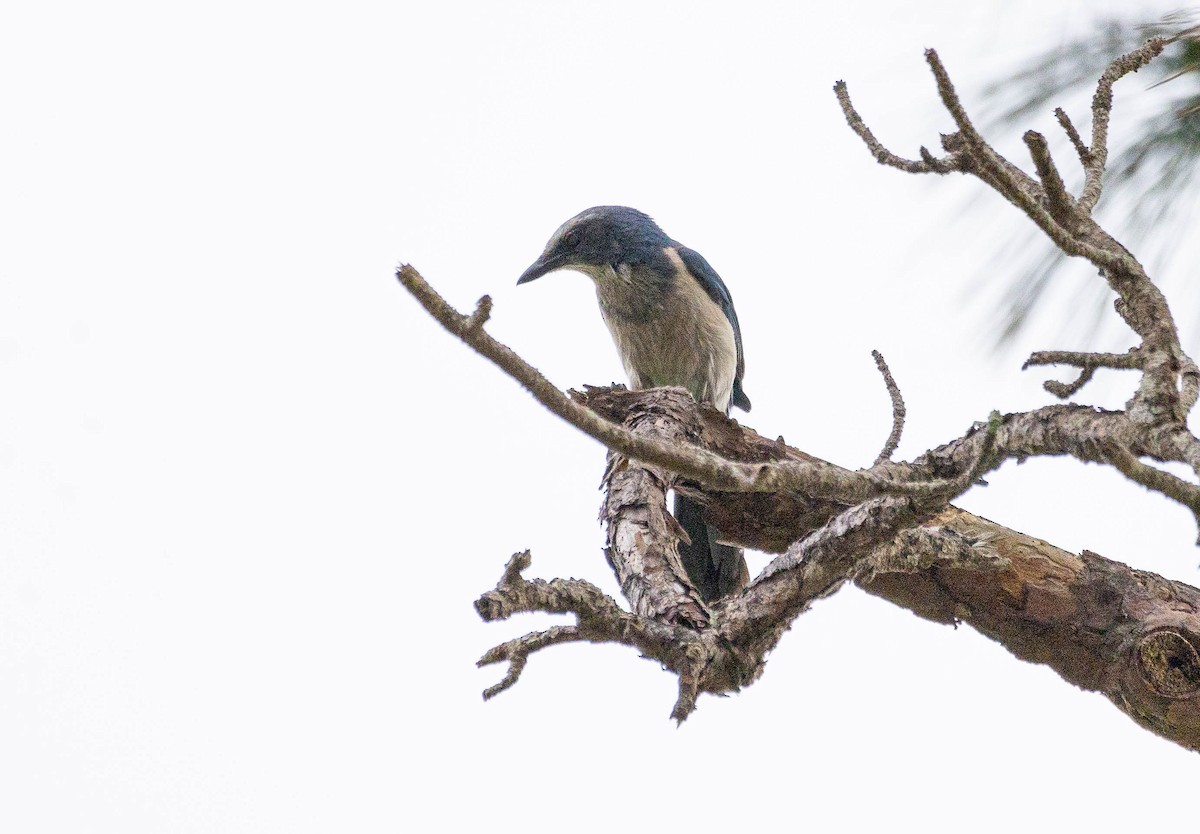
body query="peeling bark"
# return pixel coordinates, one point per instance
(1103, 626)
(642, 533)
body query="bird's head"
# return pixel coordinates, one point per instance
(599, 239)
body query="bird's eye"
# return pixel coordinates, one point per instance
(572, 239)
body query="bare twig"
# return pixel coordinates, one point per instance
(929, 164)
(517, 652)
(514, 594)
(1085, 433)
(1085, 155)
(1065, 390)
(690, 462)
(600, 619)
(969, 153)
(1062, 206)
(898, 410)
(689, 684)
(483, 311)
(1128, 361)
(1102, 103)
(950, 99)
(1086, 362)
(1156, 479)
(1008, 180)
(985, 461)
(936, 494)
(1005, 177)
(1072, 230)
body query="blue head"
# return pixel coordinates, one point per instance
(669, 312)
(603, 237)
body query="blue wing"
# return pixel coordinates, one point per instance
(718, 292)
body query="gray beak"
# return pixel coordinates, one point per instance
(544, 264)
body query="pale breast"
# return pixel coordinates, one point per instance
(684, 340)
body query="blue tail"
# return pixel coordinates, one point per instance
(716, 570)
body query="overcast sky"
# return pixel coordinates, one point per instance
(250, 491)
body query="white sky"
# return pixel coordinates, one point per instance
(250, 491)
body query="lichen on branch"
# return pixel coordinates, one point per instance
(890, 527)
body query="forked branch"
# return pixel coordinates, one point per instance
(1068, 223)
(685, 460)
(1133, 636)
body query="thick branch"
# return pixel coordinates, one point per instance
(879, 527)
(1101, 625)
(1132, 635)
(784, 516)
(642, 535)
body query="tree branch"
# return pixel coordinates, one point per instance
(600, 620)
(1071, 228)
(1061, 204)
(517, 652)
(685, 460)
(1133, 636)
(1086, 362)
(898, 410)
(1137, 648)
(954, 566)
(1085, 156)
(1102, 102)
(929, 163)
(1158, 480)
(642, 536)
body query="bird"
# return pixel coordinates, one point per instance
(672, 320)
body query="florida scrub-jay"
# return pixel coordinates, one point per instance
(672, 319)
